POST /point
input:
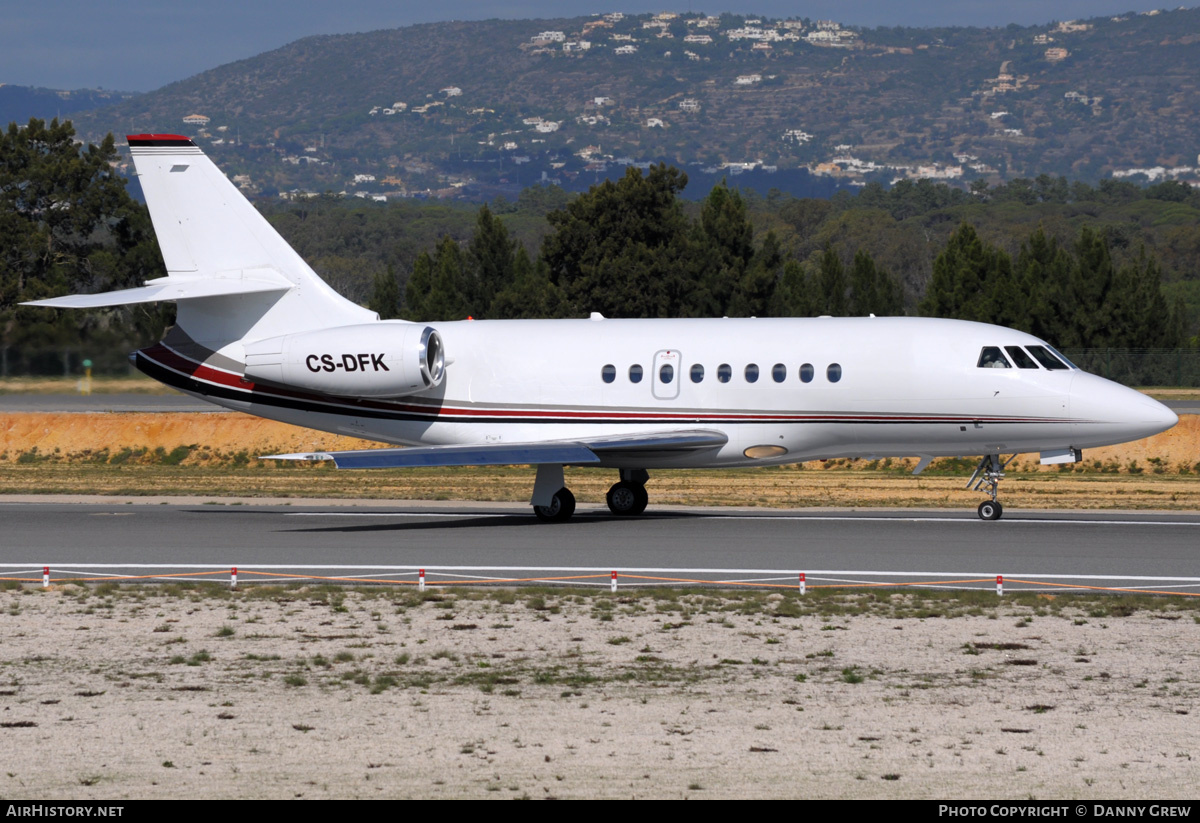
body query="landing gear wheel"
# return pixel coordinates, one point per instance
(561, 507)
(627, 499)
(990, 510)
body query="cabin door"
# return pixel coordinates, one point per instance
(667, 373)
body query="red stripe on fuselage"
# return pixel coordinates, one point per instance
(169, 358)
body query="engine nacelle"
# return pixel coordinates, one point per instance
(371, 360)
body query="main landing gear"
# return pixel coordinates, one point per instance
(562, 506)
(629, 498)
(987, 476)
(553, 502)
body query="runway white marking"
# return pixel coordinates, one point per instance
(812, 575)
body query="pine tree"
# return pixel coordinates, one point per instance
(794, 296)
(623, 248)
(972, 280)
(385, 296)
(67, 225)
(752, 294)
(831, 284)
(873, 290)
(530, 295)
(492, 256)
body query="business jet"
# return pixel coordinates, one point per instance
(259, 332)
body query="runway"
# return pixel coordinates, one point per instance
(468, 541)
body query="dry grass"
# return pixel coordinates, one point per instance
(215, 454)
(785, 487)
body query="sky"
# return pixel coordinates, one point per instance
(141, 45)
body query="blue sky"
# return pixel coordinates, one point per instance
(140, 45)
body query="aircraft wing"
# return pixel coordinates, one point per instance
(576, 452)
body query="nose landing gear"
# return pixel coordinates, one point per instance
(987, 476)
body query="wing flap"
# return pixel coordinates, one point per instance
(482, 455)
(658, 441)
(574, 452)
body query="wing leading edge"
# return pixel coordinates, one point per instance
(574, 452)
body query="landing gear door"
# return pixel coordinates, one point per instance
(665, 378)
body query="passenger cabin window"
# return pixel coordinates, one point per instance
(1047, 359)
(667, 373)
(697, 373)
(608, 373)
(724, 373)
(992, 358)
(1023, 360)
(779, 372)
(834, 372)
(806, 373)
(635, 374)
(752, 373)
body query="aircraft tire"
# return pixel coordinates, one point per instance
(627, 499)
(990, 510)
(643, 499)
(561, 507)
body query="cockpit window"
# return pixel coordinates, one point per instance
(992, 358)
(1043, 355)
(1023, 360)
(1062, 357)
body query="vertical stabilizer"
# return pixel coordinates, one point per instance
(208, 231)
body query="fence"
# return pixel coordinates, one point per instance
(67, 361)
(1141, 367)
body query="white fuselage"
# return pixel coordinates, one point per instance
(904, 387)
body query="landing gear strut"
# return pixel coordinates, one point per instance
(552, 500)
(987, 477)
(629, 498)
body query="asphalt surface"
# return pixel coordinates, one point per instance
(1155, 551)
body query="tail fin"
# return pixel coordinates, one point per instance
(232, 274)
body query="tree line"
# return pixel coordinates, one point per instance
(1078, 266)
(627, 248)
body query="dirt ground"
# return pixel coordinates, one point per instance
(310, 693)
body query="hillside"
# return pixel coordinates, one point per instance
(19, 103)
(467, 107)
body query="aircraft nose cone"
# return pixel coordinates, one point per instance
(1106, 412)
(1158, 415)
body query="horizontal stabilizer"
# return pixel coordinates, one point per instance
(509, 454)
(173, 290)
